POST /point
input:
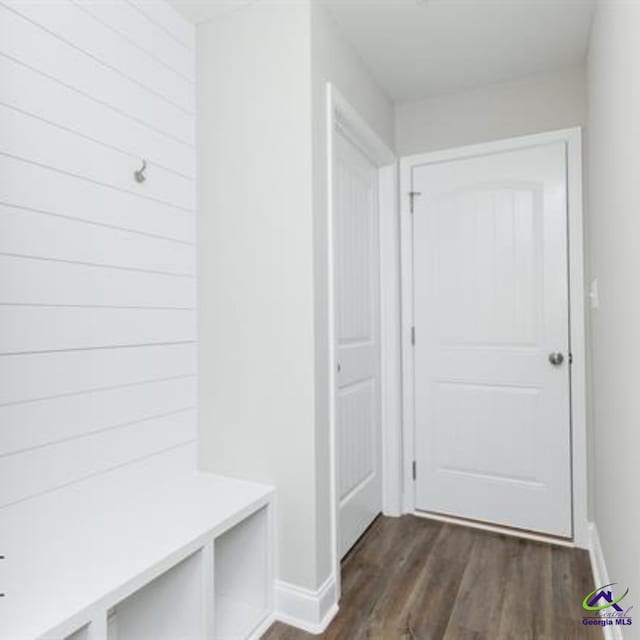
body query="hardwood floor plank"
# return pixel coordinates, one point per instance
(427, 609)
(382, 571)
(411, 578)
(527, 607)
(456, 632)
(478, 606)
(572, 581)
(569, 582)
(386, 619)
(279, 631)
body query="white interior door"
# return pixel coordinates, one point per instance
(492, 414)
(357, 393)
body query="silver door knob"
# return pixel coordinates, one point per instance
(556, 358)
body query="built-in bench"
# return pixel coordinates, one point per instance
(151, 551)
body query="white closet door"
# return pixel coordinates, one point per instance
(356, 272)
(491, 312)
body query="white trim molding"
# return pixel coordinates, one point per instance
(341, 115)
(390, 342)
(311, 611)
(572, 138)
(601, 576)
(262, 628)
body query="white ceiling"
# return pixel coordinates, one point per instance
(418, 49)
(421, 48)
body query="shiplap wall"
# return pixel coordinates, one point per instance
(97, 272)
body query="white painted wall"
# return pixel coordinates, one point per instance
(614, 203)
(532, 105)
(255, 258)
(262, 265)
(97, 284)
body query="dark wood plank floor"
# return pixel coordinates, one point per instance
(415, 579)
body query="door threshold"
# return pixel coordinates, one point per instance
(496, 528)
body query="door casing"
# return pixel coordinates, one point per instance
(572, 140)
(340, 113)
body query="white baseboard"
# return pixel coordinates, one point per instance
(311, 611)
(601, 576)
(262, 628)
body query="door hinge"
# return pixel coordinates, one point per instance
(571, 358)
(413, 336)
(412, 198)
(414, 470)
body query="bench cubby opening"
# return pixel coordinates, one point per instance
(242, 577)
(169, 607)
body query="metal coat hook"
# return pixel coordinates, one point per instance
(139, 174)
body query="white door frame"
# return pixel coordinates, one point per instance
(573, 141)
(340, 114)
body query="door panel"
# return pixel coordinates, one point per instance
(491, 304)
(357, 408)
(356, 284)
